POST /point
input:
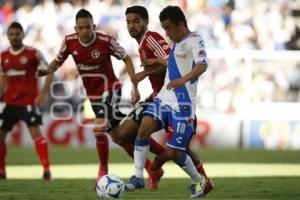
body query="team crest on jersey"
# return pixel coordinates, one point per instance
(95, 54)
(6, 61)
(23, 60)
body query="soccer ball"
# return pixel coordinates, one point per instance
(110, 186)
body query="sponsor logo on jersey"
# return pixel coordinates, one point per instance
(87, 67)
(23, 60)
(182, 56)
(95, 54)
(14, 72)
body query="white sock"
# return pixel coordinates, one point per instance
(189, 168)
(140, 156)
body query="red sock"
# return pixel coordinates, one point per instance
(41, 148)
(2, 157)
(102, 146)
(201, 170)
(155, 147)
(129, 148)
(159, 160)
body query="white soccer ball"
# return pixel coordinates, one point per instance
(110, 186)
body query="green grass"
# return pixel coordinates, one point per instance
(226, 188)
(81, 189)
(83, 155)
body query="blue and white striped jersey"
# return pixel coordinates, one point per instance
(182, 58)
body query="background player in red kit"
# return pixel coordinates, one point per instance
(92, 53)
(152, 46)
(19, 87)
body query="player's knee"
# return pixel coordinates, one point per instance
(144, 133)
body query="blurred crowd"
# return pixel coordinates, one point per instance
(223, 24)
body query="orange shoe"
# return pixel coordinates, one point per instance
(154, 178)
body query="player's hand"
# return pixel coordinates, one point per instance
(175, 84)
(42, 72)
(40, 99)
(149, 62)
(135, 95)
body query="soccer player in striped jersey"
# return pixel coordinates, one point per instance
(174, 106)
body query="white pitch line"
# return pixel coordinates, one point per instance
(125, 170)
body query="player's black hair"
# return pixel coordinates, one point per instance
(174, 14)
(15, 25)
(140, 10)
(82, 13)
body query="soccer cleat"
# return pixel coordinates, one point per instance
(154, 178)
(47, 176)
(2, 176)
(134, 183)
(197, 189)
(209, 186)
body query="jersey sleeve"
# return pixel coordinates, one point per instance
(42, 61)
(198, 50)
(158, 45)
(63, 52)
(116, 49)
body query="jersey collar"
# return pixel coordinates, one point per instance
(142, 40)
(16, 52)
(88, 44)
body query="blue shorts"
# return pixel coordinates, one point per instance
(182, 127)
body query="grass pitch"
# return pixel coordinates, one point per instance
(278, 185)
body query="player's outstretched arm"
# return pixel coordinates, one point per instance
(197, 70)
(52, 67)
(155, 61)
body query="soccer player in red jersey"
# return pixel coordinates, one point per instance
(92, 53)
(21, 99)
(152, 47)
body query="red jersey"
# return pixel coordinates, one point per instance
(19, 67)
(153, 45)
(93, 62)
